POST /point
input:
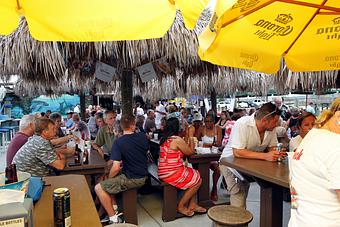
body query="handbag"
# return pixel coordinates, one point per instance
(35, 188)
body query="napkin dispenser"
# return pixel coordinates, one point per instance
(17, 214)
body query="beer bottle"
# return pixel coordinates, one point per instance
(77, 154)
(14, 172)
(85, 157)
(8, 175)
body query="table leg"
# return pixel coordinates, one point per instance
(203, 192)
(271, 201)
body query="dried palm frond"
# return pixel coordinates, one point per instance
(58, 67)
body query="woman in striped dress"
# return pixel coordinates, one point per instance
(171, 168)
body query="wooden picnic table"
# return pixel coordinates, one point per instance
(272, 177)
(83, 210)
(95, 167)
(201, 162)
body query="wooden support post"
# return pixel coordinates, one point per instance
(126, 91)
(82, 105)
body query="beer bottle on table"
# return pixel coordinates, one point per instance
(86, 152)
(77, 154)
(8, 175)
(11, 174)
(85, 157)
(14, 172)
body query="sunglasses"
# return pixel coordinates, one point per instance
(208, 121)
(277, 111)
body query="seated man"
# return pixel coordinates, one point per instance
(130, 149)
(26, 130)
(80, 127)
(251, 137)
(60, 140)
(69, 122)
(106, 136)
(150, 125)
(37, 155)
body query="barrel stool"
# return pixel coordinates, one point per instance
(226, 215)
(121, 225)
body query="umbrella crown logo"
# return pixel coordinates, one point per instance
(336, 21)
(284, 18)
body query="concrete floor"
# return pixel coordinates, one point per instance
(150, 211)
(150, 208)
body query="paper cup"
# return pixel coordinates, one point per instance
(214, 149)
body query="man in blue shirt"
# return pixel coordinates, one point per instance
(69, 121)
(130, 151)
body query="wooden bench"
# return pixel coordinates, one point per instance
(169, 209)
(130, 206)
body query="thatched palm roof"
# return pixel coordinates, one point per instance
(58, 67)
(49, 61)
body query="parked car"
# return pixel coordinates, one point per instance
(258, 102)
(243, 104)
(224, 105)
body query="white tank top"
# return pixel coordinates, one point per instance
(207, 140)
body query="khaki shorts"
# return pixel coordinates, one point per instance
(121, 183)
(238, 189)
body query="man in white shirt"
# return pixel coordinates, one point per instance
(310, 108)
(77, 109)
(139, 111)
(159, 113)
(251, 137)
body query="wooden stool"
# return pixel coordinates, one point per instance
(226, 215)
(122, 225)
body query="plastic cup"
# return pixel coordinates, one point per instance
(214, 149)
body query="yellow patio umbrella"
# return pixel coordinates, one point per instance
(191, 10)
(101, 20)
(88, 20)
(256, 34)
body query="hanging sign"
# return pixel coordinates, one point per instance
(146, 72)
(105, 72)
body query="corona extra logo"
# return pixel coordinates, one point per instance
(269, 29)
(331, 31)
(284, 18)
(249, 59)
(336, 21)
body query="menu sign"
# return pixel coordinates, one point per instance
(104, 72)
(146, 72)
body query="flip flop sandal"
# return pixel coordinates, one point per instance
(187, 214)
(200, 210)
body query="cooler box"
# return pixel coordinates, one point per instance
(17, 214)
